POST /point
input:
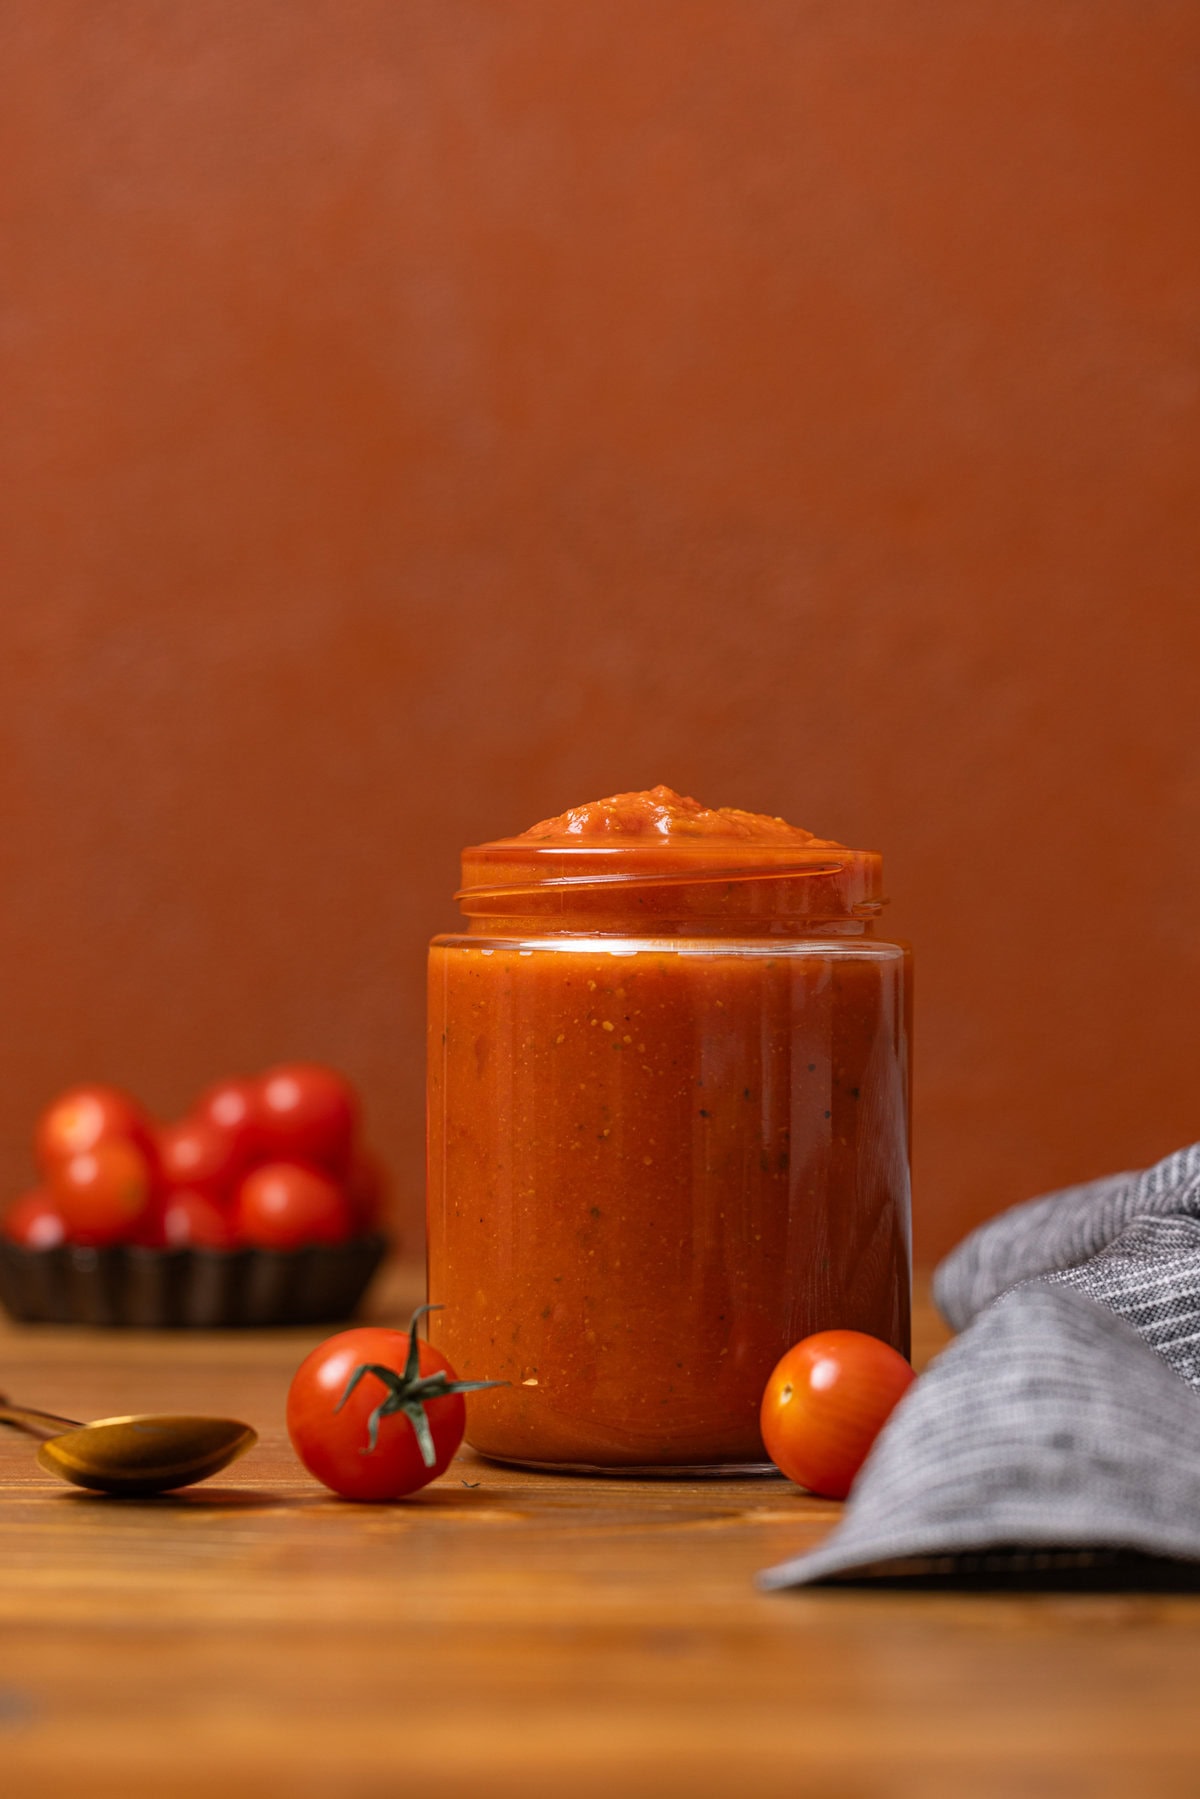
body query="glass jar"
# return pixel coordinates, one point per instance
(668, 1138)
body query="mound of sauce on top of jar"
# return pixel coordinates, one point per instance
(668, 1101)
(661, 812)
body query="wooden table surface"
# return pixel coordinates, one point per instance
(506, 1633)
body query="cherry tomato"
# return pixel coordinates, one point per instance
(825, 1404)
(232, 1108)
(197, 1155)
(35, 1220)
(82, 1119)
(194, 1220)
(307, 1113)
(375, 1413)
(105, 1193)
(284, 1204)
(366, 1189)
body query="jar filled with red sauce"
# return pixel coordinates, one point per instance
(668, 1128)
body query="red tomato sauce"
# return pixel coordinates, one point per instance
(668, 1128)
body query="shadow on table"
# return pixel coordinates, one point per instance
(187, 1499)
(1022, 1570)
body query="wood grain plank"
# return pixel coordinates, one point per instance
(510, 1632)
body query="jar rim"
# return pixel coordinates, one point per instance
(703, 875)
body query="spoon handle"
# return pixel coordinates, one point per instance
(36, 1424)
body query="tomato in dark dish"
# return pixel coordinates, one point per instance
(271, 1161)
(194, 1154)
(231, 1107)
(103, 1193)
(35, 1220)
(366, 1189)
(284, 1204)
(80, 1120)
(307, 1113)
(193, 1220)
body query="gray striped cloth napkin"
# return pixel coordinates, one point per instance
(1058, 1437)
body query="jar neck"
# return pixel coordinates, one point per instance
(622, 925)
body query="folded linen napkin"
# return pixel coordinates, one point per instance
(1061, 1430)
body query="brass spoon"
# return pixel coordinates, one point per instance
(146, 1454)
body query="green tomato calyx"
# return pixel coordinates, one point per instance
(410, 1392)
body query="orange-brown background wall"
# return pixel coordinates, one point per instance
(419, 415)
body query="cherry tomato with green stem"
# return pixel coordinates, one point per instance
(826, 1402)
(377, 1414)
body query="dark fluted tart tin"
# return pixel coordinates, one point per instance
(187, 1289)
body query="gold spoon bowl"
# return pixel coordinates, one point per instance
(141, 1454)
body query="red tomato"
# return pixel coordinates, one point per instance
(375, 1413)
(192, 1220)
(104, 1194)
(80, 1120)
(307, 1113)
(284, 1204)
(35, 1220)
(232, 1108)
(195, 1154)
(366, 1189)
(826, 1403)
